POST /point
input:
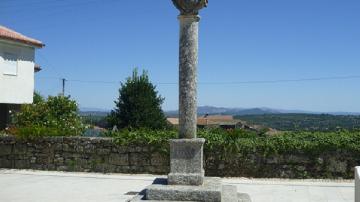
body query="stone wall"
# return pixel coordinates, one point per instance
(103, 155)
(80, 154)
(335, 164)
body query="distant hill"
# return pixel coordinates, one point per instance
(202, 110)
(304, 122)
(93, 109)
(94, 113)
(283, 120)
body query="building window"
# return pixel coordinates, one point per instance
(10, 64)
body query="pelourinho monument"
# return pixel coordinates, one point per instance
(186, 180)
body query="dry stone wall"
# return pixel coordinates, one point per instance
(104, 155)
(80, 154)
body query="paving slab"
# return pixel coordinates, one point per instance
(45, 186)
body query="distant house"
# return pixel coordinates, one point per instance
(216, 121)
(212, 121)
(225, 122)
(17, 67)
(173, 121)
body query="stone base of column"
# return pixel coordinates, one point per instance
(211, 191)
(186, 162)
(186, 181)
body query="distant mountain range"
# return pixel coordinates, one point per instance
(202, 110)
(93, 112)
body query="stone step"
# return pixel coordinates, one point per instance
(140, 198)
(211, 191)
(229, 193)
(241, 197)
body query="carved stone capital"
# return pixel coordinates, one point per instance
(190, 7)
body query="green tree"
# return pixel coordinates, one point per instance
(57, 116)
(38, 98)
(138, 104)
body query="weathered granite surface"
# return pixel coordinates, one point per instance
(104, 155)
(81, 154)
(188, 61)
(211, 191)
(186, 162)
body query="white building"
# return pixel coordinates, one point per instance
(17, 65)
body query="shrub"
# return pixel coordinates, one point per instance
(56, 116)
(158, 139)
(291, 142)
(35, 131)
(231, 142)
(141, 136)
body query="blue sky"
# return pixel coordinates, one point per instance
(240, 40)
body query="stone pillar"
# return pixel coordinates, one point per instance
(188, 61)
(357, 184)
(186, 181)
(186, 153)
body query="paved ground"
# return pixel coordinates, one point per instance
(43, 186)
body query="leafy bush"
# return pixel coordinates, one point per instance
(35, 131)
(56, 116)
(2, 133)
(158, 139)
(232, 142)
(308, 143)
(141, 136)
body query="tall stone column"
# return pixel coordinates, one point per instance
(186, 180)
(186, 153)
(188, 61)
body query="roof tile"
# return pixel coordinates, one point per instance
(6, 33)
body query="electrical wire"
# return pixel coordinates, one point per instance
(224, 82)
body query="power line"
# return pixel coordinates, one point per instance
(284, 80)
(223, 83)
(84, 81)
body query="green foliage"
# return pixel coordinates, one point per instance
(304, 122)
(301, 142)
(35, 131)
(3, 134)
(56, 116)
(229, 143)
(142, 136)
(37, 98)
(158, 139)
(289, 142)
(138, 105)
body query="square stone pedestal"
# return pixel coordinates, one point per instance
(186, 162)
(211, 191)
(186, 181)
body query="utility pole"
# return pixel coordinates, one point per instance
(63, 86)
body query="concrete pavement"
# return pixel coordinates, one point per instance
(48, 186)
